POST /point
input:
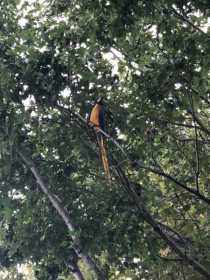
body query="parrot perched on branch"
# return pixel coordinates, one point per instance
(97, 119)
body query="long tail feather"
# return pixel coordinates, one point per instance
(104, 159)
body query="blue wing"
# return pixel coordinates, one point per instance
(102, 119)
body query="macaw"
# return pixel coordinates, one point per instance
(97, 119)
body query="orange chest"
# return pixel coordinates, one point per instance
(95, 114)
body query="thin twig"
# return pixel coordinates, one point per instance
(197, 171)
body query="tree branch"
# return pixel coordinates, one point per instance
(109, 137)
(157, 227)
(72, 264)
(167, 176)
(138, 163)
(63, 214)
(199, 122)
(183, 18)
(197, 171)
(143, 211)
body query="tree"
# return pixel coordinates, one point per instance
(52, 68)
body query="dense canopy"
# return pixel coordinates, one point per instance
(150, 61)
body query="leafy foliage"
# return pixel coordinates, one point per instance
(150, 60)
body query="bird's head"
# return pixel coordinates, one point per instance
(100, 101)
